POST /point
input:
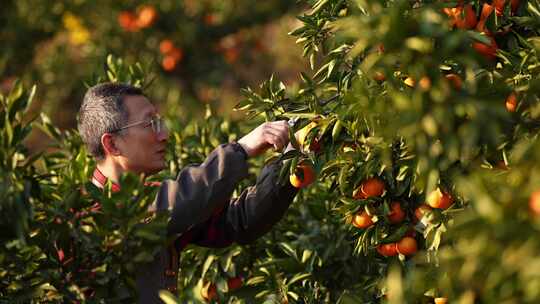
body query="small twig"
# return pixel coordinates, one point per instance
(325, 102)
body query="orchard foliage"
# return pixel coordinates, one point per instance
(420, 121)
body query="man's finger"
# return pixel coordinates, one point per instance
(275, 140)
(282, 129)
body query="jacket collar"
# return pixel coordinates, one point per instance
(102, 180)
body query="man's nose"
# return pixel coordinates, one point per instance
(163, 134)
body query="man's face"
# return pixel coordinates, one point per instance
(142, 150)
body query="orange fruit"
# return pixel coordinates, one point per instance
(209, 19)
(372, 187)
(484, 15)
(362, 220)
(439, 199)
(231, 55)
(499, 6)
(166, 46)
(470, 17)
(407, 246)
(128, 21)
(441, 300)
(234, 283)
(424, 83)
(168, 63)
(303, 176)
(454, 80)
(421, 211)
(177, 54)
(511, 102)
(463, 17)
(209, 291)
(534, 203)
(489, 51)
(453, 14)
(396, 214)
(146, 16)
(387, 249)
(379, 76)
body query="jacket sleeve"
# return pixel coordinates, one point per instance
(199, 190)
(249, 216)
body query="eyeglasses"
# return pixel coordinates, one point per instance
(156, 122)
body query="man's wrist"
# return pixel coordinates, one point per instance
(239, 147)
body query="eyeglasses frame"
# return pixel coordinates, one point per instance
(156, 122)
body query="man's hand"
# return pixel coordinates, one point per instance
(268, 134)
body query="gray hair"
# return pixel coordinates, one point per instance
(103, 111)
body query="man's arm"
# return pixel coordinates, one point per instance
(200, 190)
(249, 216)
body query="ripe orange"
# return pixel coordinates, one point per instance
(441, 300)
(511, 102)
(439, 199)
(166, 46)
(362, 220)
(379, 76)
(177, 54)
(499, 6)
(407, 246)
(146, 16)
(231, 55)
(424, 83)
(234, 283)
(484, 15)
(488, 51)
(128, 21)
(455, 80)
(387, 249)
(470, 17)
(209, 19)
(421, 211)
(370, 187)
(168, 63)
(209, 291)
(303, 176)
(396, 214)
(454, 14)
(534, 203)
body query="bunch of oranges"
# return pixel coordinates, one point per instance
(464, 17)
(172, 55)
(144, 17)
(363, 219)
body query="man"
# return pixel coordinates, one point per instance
(123, 131)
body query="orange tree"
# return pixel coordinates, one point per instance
(414, 108)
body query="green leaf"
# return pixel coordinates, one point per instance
(298, 277)
(167, 297)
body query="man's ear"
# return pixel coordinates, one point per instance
(109, 145)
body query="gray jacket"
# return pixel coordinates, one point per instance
(203, 213)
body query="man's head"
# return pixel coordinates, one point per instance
(119, 124)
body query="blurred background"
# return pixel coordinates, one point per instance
(198, 51)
